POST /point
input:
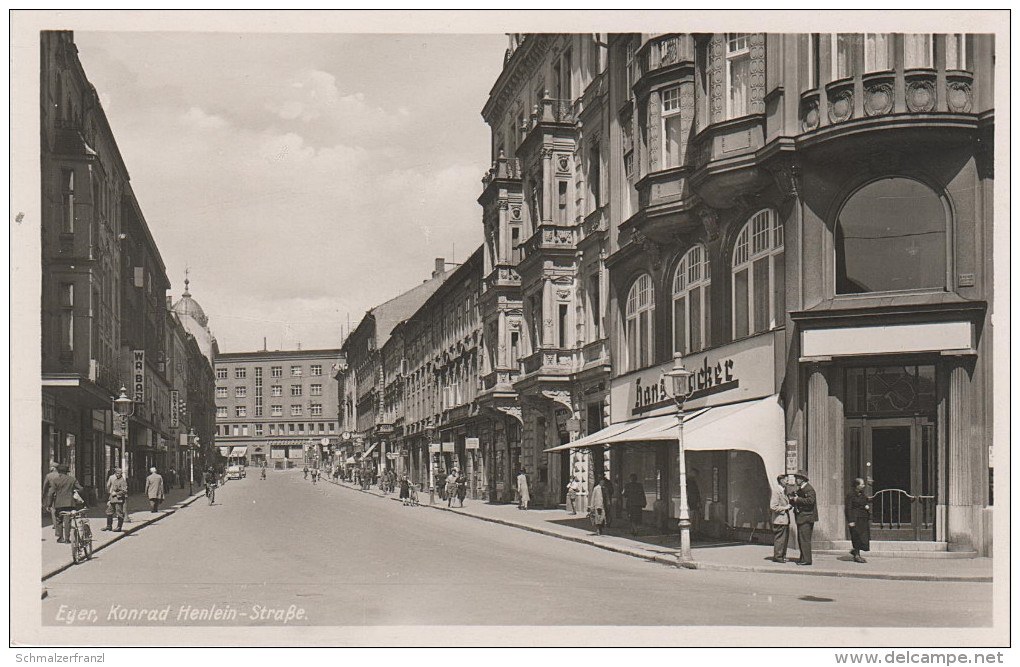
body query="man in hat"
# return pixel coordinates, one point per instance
(780, 506)
(154, 489)
(804, 503)
(117, 489)
(51, 477)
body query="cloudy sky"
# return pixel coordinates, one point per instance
(299, 177)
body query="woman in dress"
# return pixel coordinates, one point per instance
(522, 491)
(405, 490)
(858, 518)
(597, 508)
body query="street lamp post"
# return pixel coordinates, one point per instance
(124, 408)
(192, 439)
(678, 374)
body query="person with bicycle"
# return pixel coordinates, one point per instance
(63, 491)
(210, 484)
(118, 490)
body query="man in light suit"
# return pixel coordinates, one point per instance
(805, 504)
(780, 507)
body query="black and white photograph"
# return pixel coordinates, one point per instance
(511, 329)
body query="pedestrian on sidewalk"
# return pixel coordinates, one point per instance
(405, 490)
(461, 488)
(804, 503)
(171, 477)
(306, 472)
(154, 489)
(858, 519)
(573, 488)
(780, 506)
(47, 488)
(263, 472)
(451, 487)
(63, 497)
(634, 500)
(608, 491)
(117, 490)
(597, 507)
(524, 497)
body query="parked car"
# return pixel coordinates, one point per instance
(236, 472)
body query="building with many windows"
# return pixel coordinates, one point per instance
(277, 407)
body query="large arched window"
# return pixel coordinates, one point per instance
(690, 302)
(891, 235)
(640, 315)
(759, 276)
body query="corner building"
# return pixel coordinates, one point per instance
(806, 218)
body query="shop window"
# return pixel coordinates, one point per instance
(759, 276)
(891, 235)
(738, 74)
(691, 284)
(640, 330)
(877, 52)
(917, 51)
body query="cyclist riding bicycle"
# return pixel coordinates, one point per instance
(210, 484)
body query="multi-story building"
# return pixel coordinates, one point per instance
(366, 416)
(105, 320)
(545, 219)
(200, 351)
(442, 366)
(277, 407)
(807, 220)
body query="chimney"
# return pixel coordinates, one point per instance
(440, 267)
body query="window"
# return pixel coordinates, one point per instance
(877, 54)
(276, 371)
(315, 409)
(562, 325)
(640, 331)
(295, 390)
(315, 390)
(691, 284)
(276, 410)
(277, 390)
(244, 430)
(671, 127)
(917, 51)
(595, 176)
(67, 200)
(240, 411)
(272, 429)
(536, 321)
(258, 430)
(515, 347)
(516, 254)
(315, 369)
(221, 411)
(240, 392)
(221, 373)
(301, 427)
(956, 52)
(67, 318)
(221, 392)
(258, 410)
(240, 373)
(738, 73)
(627, 141)
(595, 307)
(814, 61)
(332, 427)
(295, 371)
(631, 66)
(322, 427)
(295, 411)
(891, 235)
(842, 56)
(759, 278)
(236, 429)
(290, 427)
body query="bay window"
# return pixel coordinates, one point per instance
(671, 127)
(917, 51)
(738, 73)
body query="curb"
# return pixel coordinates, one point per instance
(701, 565)
(134, 529)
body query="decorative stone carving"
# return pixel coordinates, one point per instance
(756, 48)
(717, 80)
(503, 204)
(841, 105)
(878, 99)
(563, 163)
(513, 411)
(515, 212)
(958, 96)
(710, 221)
(546, 153)
(809, 114)
(563, 293)
(560, 396)
(920, 96)
(787, 177)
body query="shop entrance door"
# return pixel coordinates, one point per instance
(897, 459)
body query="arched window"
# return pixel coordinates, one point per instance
(640, 315)
(891, 235)
(690, 302)
(759, 276)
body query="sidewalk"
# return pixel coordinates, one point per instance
(57, 557)
(727, 556)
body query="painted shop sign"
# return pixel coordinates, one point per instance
(736, 372)
(138, 375)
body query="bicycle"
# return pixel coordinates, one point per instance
(210, 493)
(81, 535)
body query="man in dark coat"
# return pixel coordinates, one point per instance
(804, 503)
(51, 477)
(634, 500)
(61, 498)
(858, 519)
(608, 492)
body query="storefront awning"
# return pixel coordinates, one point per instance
(224, 451)
(238, 452)
(756, 426)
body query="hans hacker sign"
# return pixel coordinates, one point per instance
(740, 371)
